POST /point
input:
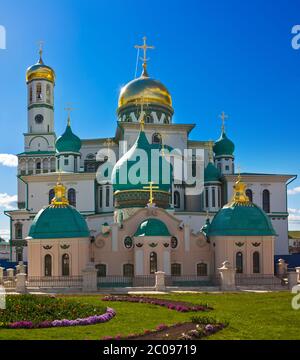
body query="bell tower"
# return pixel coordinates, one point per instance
(40, 80)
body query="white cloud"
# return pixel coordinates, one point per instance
(294, 217)
(4, 234)
(8, 160)
(294, 211)
(8, 202)
(294, 191)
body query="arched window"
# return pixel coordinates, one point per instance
(100, 197)
(256, 265)
(30, 94)
(19, 231)
(38, 91)
(48, 265)
(239, 262)
(38, 166)
(176, 199)
(153, 263)
(65, 265)
(128, 270)
(176, 269)
(51, 195)
(266, 200)
(156, 138)
(72, 197)
(48, 94)
(213, 196)
(206, 197)
(201, 269)
(249, 194)
(101, 270)
(107, 195)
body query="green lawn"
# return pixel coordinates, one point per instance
(250, 316)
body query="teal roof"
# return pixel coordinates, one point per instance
(124, 171)
(58, 222)
(211, 173)
(68, 142)
(223, 146)
(241, 220)
(152, 227)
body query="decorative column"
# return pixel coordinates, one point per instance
(227, 273)
(114, 236)
(160, 281)
(89, 278)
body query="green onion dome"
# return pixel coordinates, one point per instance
(68, 142)
(240, 217)
(211, 173)
(59, 220)
(152, 227)
(223, 146)
(132, 174)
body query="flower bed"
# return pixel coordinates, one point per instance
(33, 311)
(172, 305)
(180, 331)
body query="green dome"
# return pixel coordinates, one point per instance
(147, 173)
(152, 227)
(58, 222)
(241, 220)
(211, 173)
(223, 146)
(68, 142)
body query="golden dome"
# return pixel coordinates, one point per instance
(147, 89)
(40, 71)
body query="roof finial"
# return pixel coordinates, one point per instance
(41, 44)
(69, 109)
(151, 187)
(239, 191)
(223, 116)
(59, 199)
(144, 47)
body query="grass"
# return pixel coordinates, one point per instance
(250, 316)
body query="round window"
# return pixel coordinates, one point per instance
(128, 242)
(39, 118)
(174, 242)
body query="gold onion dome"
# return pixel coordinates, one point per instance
(40, 71)
(145, 88)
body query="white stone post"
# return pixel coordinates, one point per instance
(21, 283)
(89, 278)
(292, 279)
(160, 284)
(227, 273)
(1, 274)
(298, 273)
(10, 273)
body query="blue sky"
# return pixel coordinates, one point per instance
(228, 55)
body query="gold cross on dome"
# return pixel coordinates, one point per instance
(41, 45)
(144, 47)
(223, 116)
(151, 187)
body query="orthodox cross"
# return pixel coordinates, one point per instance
(41, 44)
(223, 116)
(144, 47)
(142, 121)
(69, 109)
(151, 187)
